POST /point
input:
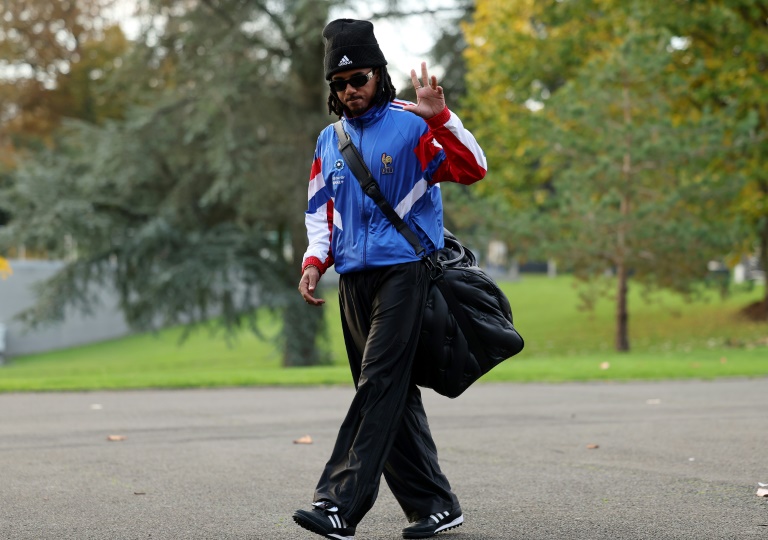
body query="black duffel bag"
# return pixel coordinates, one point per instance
(467, 328)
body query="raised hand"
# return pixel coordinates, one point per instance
(430, 100)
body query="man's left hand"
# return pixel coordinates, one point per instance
(430, 100)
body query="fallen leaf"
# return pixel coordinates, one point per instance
(723, 360)
(115, 438)
(762, 492)
(605, 365)
(593, 446)
(306, 439)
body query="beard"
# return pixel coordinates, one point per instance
(358, 107)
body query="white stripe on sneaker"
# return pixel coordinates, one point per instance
(458, 521)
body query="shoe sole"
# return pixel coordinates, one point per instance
(313, 527)
(452, 525)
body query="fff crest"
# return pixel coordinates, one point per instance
(386, 164)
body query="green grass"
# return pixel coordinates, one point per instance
(162, 359)
(548, 315)
(670, 339)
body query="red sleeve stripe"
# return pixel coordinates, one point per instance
(317, 167)
(329, 211)
(427, 149)
(465, 161)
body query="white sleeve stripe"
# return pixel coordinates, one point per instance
(318, 233)
(315, 184)
(415, 194)
(455, 126)
(337, 219)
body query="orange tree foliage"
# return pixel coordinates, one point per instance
(55, 59)
(55, 56)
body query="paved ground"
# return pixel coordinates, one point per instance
(676, 460)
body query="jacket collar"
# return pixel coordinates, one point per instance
(371, 116)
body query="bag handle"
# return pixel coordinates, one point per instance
(371, 187)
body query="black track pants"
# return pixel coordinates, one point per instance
(385, 430)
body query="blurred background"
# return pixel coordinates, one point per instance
(154, 156)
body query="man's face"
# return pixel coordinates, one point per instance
(356, 100)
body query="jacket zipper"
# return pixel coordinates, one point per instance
(365, 214)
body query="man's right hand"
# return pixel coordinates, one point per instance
(307, 286)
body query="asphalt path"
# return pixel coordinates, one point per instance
(651, 460)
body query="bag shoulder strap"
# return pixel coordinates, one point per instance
(371, 187)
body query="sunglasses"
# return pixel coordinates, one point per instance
(339, 85)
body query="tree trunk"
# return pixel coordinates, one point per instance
(304, 331)
(303, 327)
(622, 314)
(763, 261)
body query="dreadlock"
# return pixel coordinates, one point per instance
(385, 92)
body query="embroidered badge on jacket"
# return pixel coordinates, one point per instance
(386, 164)
(338, 176)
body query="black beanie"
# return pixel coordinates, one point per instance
(350, 44)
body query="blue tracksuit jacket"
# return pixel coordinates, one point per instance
(408, 157)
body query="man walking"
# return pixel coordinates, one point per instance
(409, 148)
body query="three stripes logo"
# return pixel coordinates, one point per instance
(337, 521)
(437, 517)
(344, 61)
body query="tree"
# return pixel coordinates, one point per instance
(192, 205)
(724, 59)
(54, 58)
(607, 173)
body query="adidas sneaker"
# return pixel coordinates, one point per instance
(324, 519)
(436, 523)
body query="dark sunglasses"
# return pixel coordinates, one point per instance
(339, 85)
